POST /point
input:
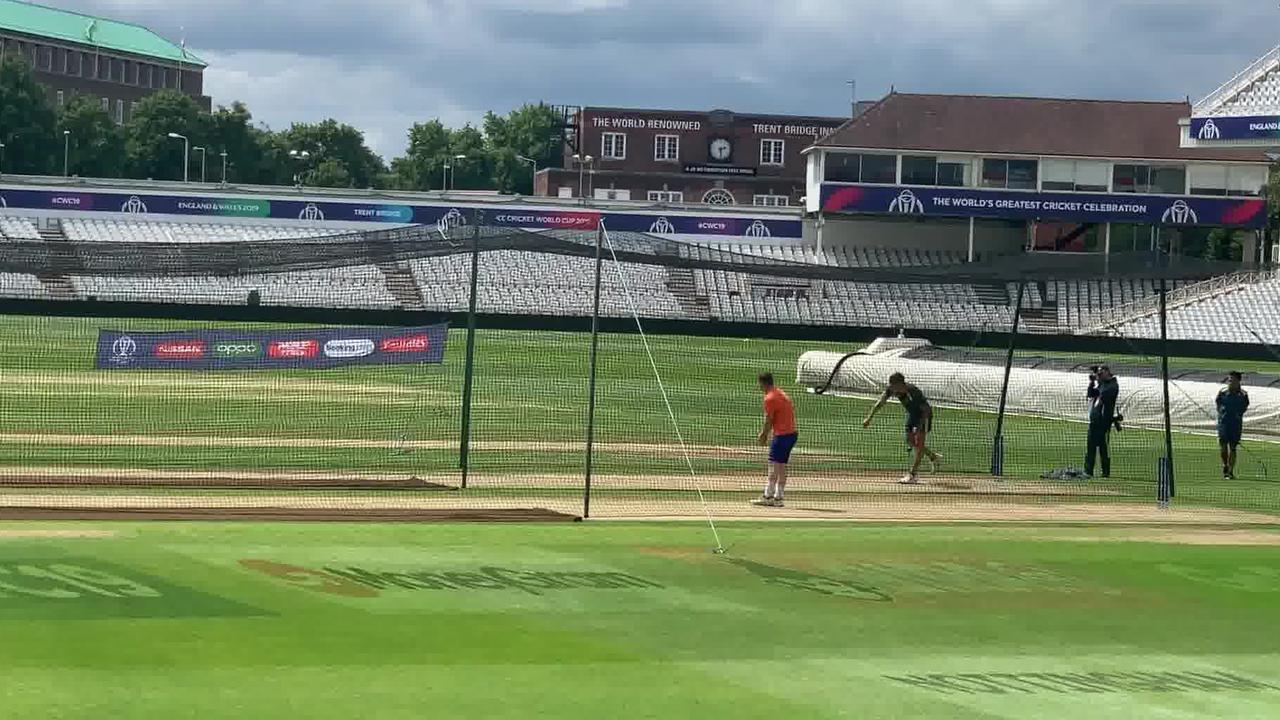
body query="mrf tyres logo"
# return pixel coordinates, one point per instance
(797, 580)
(359, 582)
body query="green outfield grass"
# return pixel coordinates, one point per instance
(530, 389)
(629, 621)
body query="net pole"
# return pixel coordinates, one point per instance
(997, 446)
(464, 449)
(1171, 490)
(591, 375)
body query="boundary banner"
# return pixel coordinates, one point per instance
(270, 349)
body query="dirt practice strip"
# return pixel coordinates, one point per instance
(1181, 537)
(21, 534)
(185, 441)
(530, 515)
(919, 509)
(878, 483)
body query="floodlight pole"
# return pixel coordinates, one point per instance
(464, 450)
(997, 447)
(591, 373)
(1166, 485)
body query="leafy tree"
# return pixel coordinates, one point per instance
(472, 166)
(528, 131)
(333, 146)
(96, 142)
(1273, 192)
(27, 122)
(249, 158)
(149, 151)
(421, 168)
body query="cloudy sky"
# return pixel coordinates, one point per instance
(383, 64)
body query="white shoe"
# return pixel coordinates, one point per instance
(763, 502)
(933, 464)
(909, 479)
(777, 502)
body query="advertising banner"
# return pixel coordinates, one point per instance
(1258, 127)
(1016, 205)
(317, 349)
(445, 217)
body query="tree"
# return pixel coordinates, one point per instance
(421, 168)
(96, 143)
(26, 122)
(1273, 192)
(249, 157)
(472, 167)
(333, 146)
(528, 131)
(149, 151)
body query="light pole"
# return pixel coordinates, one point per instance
(453, 178)
(1, 159)
(224, 166)
(583, 161)
(186, 155)
(204, 155)
(66, 153)
(301, 156)
(533, 164)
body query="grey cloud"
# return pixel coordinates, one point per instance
(382, 64)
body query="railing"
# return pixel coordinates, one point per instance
(1243, 79)
(1178, 297)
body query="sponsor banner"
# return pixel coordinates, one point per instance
(1014, 205)
(695, 169)
(269, 349)
(1257, 127)
(699, 225)
(447, 218)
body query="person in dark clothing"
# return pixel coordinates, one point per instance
(1103, 392)
(1232, 403)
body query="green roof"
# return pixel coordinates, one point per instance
(89, 30)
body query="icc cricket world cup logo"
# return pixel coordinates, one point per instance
(662, 226)
(906, 204)
(1180, 213)
(450, 220)
(1209, 131)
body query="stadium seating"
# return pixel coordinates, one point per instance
(1233, 315)
(17, 228)
(530, 283)
(1261, 98)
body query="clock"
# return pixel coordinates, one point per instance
(721, 150)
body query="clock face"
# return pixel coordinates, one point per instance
(721, 150)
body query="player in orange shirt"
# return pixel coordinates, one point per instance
(780, 425)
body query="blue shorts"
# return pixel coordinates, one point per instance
(1230, 434)
(780, 448)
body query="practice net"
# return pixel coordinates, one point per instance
(353, 375)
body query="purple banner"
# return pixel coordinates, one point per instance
(1028, 205)
(444, 217)
(1258, 127)
(270, 349)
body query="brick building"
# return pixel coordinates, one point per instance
(716, 158)
(118, 63)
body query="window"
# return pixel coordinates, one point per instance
(872, 169)
(62, 98)
(120, 112)
(929, 170)
(666, 148)
(75, 63)
(613, 146)
(1246, 181)
(62, 61)
(1074, 175)
(666, 196)
(46, 58)
(718, 196)
(150, 82)
(106, 105)
(162, 80)
(1009, 174)
(770, 200)
(773, 152)
(1159, 179)
(133, 109)
(1233, 180)
(879, 169)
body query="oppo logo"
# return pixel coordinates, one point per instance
(237, 350)
(349, 348)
